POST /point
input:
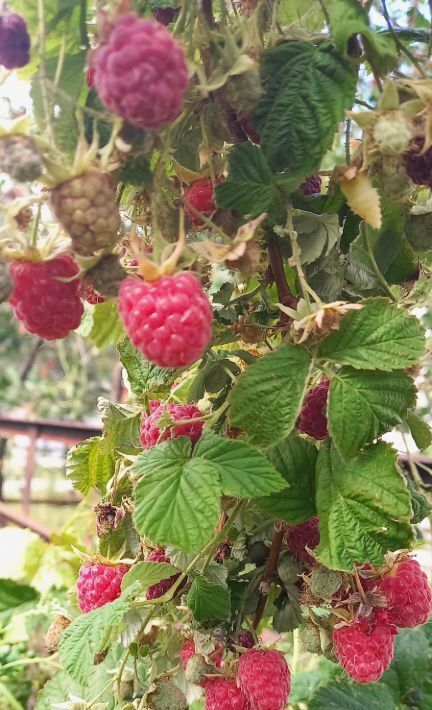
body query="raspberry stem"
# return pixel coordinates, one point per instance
(276, 545)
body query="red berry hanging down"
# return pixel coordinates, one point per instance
(46, 306)
(99, 584)
(223, 694)
(14, 41)
(418, 165)
(407, 590)
(200, 195)
(140, 72)
(365, 647)
(264, 678)
(302, 536)
(311, 185)
(157, 590)
(150, 432)
(313, 420)
(168, 320)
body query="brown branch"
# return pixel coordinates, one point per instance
(270, 569)
(207, 9)
(277, 268)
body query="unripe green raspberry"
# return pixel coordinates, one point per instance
(310, 639)
(197, 668)
(392, 133)
(324, 582)
(166, 696)
(106, 276)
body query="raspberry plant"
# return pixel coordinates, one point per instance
(191, 192)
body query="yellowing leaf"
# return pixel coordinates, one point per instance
(363, 198)
(218, 253)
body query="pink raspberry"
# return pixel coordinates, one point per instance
(200, 195)
(365, 647)
(168, 320)
(311, 185)
(299, 537)
(312, 420)
(99, 584)
(151, 433)
(157, 590)
(418, 165)
(46, 306)
(408, 593)
(223, 694)
(265, 679)
(14, 41)
(187, 652)
(140, 72)
(92, 296)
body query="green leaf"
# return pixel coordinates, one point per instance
(317, 234)
(89, 465)
(64, 97)
(148, 573)
(380, 336)
(419, 503)
(306, 90)
(363, 507)
(420, 430)
(13, 594)
(143, 376)
(295, 459)
(250, 188)
(244, 471)
(267, 398)
(347, 19)
(177, 499)
(208, 602)
(121, 426)
(288, 617)
(375, 401)
(107, 326)
(419, 229)
(57, 690)
(410, 675)
(90, 634)
(340, 696)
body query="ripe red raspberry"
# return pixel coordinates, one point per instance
(419, 165)
(223, 694)
(46, 306)
(365, 647)
(99, 584)
(92, 296)
(311, 185)
(157, 590)
(265, 679)
(408, 593)
(299, 537)
(200, 195)
(14, 41)
(151, 433)
(140, 72)
(168, 320)
(312, 419)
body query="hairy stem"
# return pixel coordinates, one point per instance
(270, 570)
(377, 271)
